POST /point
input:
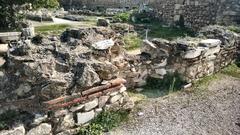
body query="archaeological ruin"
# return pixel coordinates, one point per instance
(59, 83)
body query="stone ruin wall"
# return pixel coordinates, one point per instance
(66, 84)
(195, 13)
(198, 13)
(191, 58)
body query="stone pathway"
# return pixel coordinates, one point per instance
(213, 111)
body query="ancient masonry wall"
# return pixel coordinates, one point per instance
(191, 58)
(194, 13)
(60, 85)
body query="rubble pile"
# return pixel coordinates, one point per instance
(75, 79)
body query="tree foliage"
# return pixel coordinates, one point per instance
(9, 10)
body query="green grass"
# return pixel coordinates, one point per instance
(232, 70)
(132, 41)
(51, 29)
(157, 30)
(170, 33)
(205, 81)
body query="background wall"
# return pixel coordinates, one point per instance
(193, 13)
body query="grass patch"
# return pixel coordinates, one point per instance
(170, 33)
(51, 29)
(232, 70)
(205, 81)
(132, 41)
(234, 29)
(104, 122)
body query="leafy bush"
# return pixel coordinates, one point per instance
(132, 41)
(122, 17)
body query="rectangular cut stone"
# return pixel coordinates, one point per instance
(83, 118)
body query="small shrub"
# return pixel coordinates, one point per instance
(132, 41)
(111, 119)
(123, 17)
(92, 129)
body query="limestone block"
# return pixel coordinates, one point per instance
(83, 118)
(191, 54)
(210, 43)
(115, 98)
(20, 130)
(90, 105)
(43, 129)
(3, 48)
(2, 61)
(102, 101)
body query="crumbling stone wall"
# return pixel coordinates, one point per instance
(192, 58)
(62, 83)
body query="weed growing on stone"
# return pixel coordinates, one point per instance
(132, 41)
(104, 122)
(205, 81)
(234, 29)
(232, 70)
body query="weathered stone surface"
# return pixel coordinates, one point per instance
(43, 129)
(76, 108)
(2, 61)
(102, 101)
(86, 76)
(20, 130)
(191, 54)
(3, 48)
(210, 43)
(106, 70)
(115, 98)
(90, 105)
(103, 22)
(83, 118)
(39, 118)
(23, 89)
(161, 71)
(103, 45)
(66, 123)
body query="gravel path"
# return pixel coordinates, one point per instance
(213, 111)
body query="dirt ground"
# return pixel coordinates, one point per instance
(214, 110)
